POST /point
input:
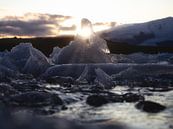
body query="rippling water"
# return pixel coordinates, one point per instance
(125, 113)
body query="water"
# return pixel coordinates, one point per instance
(124, 113)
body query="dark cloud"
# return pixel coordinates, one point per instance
(64, 28)
(32, 24)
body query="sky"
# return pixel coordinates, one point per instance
(98, 11)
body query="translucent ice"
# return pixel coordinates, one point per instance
(104, 79)
(6, 73)
(86, 48)
(88, 75)
(54, 55)
(25, 58)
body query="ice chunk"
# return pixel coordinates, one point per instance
(85, 49)
(104, 79)
(88, 75)
(145, 70)
(83, 76)
(36, 65)
(6, 73)
(54, 55)
(75, 70)
(25, 58)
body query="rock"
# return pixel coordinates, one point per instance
(108, 97)
(130, 97)
(160, 89)
(60, 80)
(26, 85)
(6, 90)
(96, 100)
(150, 107)
(35, 99)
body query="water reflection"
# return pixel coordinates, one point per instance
(125, 113)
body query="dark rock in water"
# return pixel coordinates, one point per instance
(160, 89)
(7, 90)
(35, 99)
(130, 97)
(96, 100)
(106, 97)
(150, 107)
(60, 80)
(115, 98)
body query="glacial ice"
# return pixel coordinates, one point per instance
(54, 55)
(95, 75)
(141, 58)
(25, 58)
(84, 75)
(91, 49)
(6, 73)
(104, 79)
(85, 58)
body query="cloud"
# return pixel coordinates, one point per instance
(111, 24)
(33, 24)
(66, 28)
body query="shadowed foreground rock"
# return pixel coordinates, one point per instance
(28, 121)
(34, 99)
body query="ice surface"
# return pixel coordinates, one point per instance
(141, 58)
(145, 70)
(122, 70)
(75, 70)
(91, 49)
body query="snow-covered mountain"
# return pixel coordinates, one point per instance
(157, 32)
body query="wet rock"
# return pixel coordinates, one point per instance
(160, 89)
(115, 98)
(130, 97)
(96, 100)
(107, 97)
(6, 90)
(150, 107)
(60, 80)
(26, 85)
(35, 99)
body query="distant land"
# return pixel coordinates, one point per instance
(46, 44)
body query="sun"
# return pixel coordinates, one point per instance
(84, 32)
(84, 29)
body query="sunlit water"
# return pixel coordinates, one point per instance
(124, 113)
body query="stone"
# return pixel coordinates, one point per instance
(150, 107)
(96, 100)
(35, 99)
(131, 97)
